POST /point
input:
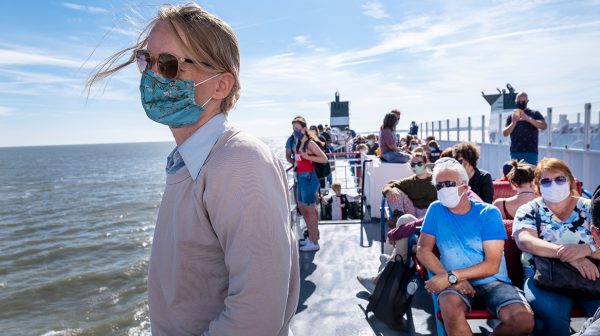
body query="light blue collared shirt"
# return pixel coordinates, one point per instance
(193, 152)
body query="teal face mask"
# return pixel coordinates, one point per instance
(170, 101)
(419, 170)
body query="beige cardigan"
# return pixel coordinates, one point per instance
(224, 259)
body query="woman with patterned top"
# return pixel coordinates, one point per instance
(564, 233)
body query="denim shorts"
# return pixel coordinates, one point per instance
(531, 158)
(494, 295)
(308, 184)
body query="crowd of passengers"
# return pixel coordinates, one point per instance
(462, 235)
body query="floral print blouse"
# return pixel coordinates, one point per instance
(574, 230)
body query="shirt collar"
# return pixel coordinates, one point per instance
(196, 148)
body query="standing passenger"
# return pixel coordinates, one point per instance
(307, 153)
(523, 126)
(217, 267)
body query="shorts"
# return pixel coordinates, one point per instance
(531, 158)
(308, 184)
(495, 295)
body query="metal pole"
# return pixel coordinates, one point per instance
(483, 128)
(433, 128)
(439, 129)
(421, 130)
(447, 129)
(549, 121)
(469, 128)
(500, 128)
(426, 129)
(457, 129)
(587, 118)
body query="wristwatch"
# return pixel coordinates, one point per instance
(452, 279)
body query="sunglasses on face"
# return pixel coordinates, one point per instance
(416, 164)
(444, 184)
(168, 64)
(559, 180)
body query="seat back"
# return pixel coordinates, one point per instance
(512, 255)
(503, 189)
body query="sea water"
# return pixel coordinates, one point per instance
(76, 227)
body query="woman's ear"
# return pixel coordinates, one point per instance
(224, 85)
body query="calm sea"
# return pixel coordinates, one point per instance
(76, 227)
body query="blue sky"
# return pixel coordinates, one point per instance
(430, 59)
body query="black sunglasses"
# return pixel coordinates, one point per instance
(444, 184)
(168, 64)
(559, 180)
(415, 164)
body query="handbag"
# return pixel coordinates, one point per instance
(557, 276)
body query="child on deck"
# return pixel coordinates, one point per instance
(339, 202)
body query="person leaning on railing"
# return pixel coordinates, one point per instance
(564, 233)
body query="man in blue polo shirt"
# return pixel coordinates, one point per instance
(523, 126)
(470, 238)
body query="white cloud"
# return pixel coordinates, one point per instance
(82, 8)
(4, 111)
(375, 10)
(300, 40)
(30, 56)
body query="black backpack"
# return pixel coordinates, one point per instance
(393, 293)
(321, 169)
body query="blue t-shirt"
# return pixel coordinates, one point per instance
(459, 238)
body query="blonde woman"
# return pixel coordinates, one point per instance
(214, 260)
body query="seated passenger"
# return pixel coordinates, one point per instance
(480, 181)
(564, 232)
(470, 238)
(338, 201)
(520, 178)
(434, 151)
(506, 168)
(387, 141)
(372, 144)
(413, 194)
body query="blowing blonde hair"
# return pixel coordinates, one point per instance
(209, 40)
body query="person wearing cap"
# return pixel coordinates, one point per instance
(469, 236)
(307, 153)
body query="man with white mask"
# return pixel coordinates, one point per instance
(470, 238)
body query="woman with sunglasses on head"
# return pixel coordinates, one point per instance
(222, 243)
(564, 233)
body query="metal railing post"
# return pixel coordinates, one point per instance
(483, 128)
(500, 128)
(440, 129)
(469, 129)
(587, 119)
(457, 129)
(549, 121)
(421, 130)
(447, 129)
(426, 129)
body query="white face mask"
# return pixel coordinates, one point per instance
(312, 132)
(449, 197)
(555, 193)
